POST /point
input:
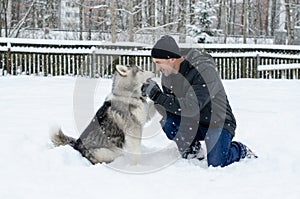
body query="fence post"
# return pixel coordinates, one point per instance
(8, 63)
(93, 62)
(257, 64)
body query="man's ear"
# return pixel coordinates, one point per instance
(122, 70)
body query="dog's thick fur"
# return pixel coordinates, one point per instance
(118, 124)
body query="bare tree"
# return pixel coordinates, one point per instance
(289, 24)
(267, 19)
(152, 18)
(4, 15)
(219, 16)
(182, 22)
(297, 15)
(230, 17)
(261, 10)
(234, 16)
(113, 21)
(256, 10)
(273, 17)
(81, 19)
(16, 29)
(245, 20)
(168, 14)
(225, 30)
(131, 25)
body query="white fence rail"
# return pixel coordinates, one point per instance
(270, 71)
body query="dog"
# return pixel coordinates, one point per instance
(117, 125)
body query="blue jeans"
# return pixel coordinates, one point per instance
(221, 150)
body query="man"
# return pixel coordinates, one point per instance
(194, 105)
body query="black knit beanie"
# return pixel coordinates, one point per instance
(165, 48)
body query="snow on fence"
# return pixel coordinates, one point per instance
(272, 70)
(232, 62)
(90, 62)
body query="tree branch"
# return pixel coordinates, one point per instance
(21, 22)
(157, 27)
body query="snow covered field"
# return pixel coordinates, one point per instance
(267, 113)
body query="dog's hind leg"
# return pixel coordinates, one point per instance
(107, 155)
(88, 154)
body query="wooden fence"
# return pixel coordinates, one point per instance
(232, 62)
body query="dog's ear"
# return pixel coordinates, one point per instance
(122, 70)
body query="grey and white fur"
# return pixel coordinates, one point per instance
(117, 125)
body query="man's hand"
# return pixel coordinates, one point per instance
(151, 89)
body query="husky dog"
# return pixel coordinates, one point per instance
(118, 123)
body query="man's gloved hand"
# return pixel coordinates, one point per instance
(151, 89)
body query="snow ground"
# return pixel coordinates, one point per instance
(267, 113)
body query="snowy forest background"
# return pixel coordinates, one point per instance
(202, 21)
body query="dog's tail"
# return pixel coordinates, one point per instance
(58, 138)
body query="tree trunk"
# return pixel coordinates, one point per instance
(234, 17)
(267, 19)
(152, 19)
(230, 17)
(113, 21)
(0, 25)
(260, 10)
(1, 14)
(192, 11)
(289, 23)
(168, 14)
(144, 14)
(225, 32)
(131, 25)
(182, 22)
(90, 24)
(273, 17)
(81, 18)
(256, 13)
(5, 3)
(245, 20)
(16, 30)
(219, 15)
(297, 21)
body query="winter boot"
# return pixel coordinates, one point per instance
(250, 153)
(245, 152)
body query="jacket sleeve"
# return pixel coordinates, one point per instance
(185, 106)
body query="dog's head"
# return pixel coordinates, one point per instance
(128, 80)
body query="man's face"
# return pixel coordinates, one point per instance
(166, 66)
